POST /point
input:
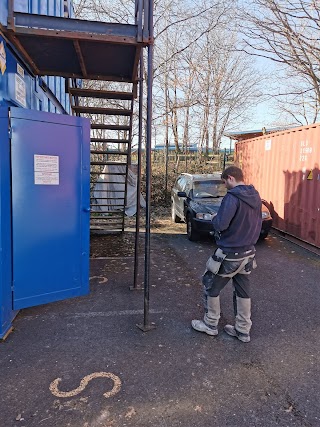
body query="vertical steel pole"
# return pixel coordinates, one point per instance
(136, 243)
(166, 168)
(146, 325)
(10, 19)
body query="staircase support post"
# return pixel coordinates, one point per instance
(136, 243)
(146, 324)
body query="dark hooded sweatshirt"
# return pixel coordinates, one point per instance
(238, 221)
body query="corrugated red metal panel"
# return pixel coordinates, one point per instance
(284, 167)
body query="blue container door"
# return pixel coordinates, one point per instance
(50, 198)
(6, 313)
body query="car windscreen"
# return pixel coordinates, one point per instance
(210, 188)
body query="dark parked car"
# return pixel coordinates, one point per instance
(194, 198)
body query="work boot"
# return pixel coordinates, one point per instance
(241, 329)
(200, 326)
(230, 330)
(211, 318)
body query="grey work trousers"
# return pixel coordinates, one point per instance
(236, 267)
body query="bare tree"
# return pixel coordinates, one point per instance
(295, 103)
(117, 11)
(181, 46)
(288, 33)
(178, 29)
(202, 85)
(229, 86)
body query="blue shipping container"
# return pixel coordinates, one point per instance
(39, 7)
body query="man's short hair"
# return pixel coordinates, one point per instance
(233, 171)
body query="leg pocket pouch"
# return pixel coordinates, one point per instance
(207, 280)
(214, 262)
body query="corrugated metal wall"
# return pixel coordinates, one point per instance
(41, 7)
(284, 167)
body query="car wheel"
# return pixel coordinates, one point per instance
(174, 216)
(191, 233)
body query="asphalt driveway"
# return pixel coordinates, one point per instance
(84, 363)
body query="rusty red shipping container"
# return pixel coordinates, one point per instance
(284, 167)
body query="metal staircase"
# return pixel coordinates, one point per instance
(103, 56)
(110, 113)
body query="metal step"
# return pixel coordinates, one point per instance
(105, 198)
(122, 201)
(105, 94)
(109, 197)
(102, 110)
(107, 227)
(115, 215)
(110, 140)
(108, 173)
(105, 218)
(122, 153)
(112, 220)
(110, 182)
(111, 206)
(105, 230)
(109, 127)
(108, 163)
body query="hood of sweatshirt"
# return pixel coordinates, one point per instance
(248, 194)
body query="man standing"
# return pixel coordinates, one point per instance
(237, 228)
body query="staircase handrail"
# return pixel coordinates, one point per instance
(142, 20)
(10, 17)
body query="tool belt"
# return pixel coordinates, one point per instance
(233, 263)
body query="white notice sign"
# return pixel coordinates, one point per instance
(20, 70)
(20, 85)
(46, 170)
(46, 178)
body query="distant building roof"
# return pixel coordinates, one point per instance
(248, 134)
